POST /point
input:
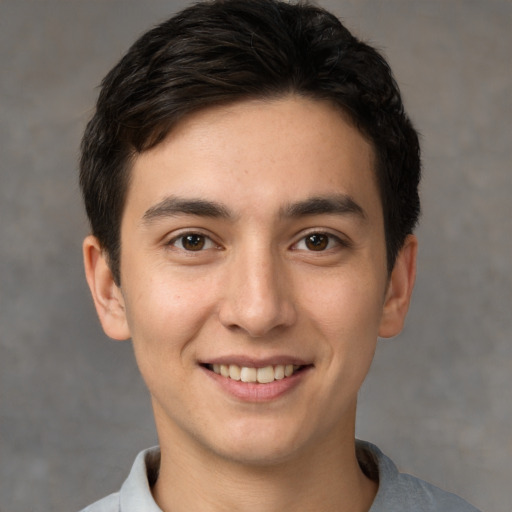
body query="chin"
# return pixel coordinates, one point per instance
(258, 454)
(260, 446)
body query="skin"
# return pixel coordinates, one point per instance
(257, 291)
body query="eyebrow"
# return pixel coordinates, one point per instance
(337, 204)
(173, 206)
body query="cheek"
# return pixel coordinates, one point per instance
(347, 317)
(165, 314)
(345, 303)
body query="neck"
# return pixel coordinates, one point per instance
(324, 478)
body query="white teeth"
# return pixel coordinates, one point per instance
(234, 372)
(260, 375)
(248, 374)
(265, 375)
(279, 372)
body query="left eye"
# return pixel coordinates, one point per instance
(317, 242)
(192, 242)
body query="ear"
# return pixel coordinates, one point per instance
(398, 294)
(107, 296)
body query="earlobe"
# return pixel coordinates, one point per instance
(107, 296)
(399, 292)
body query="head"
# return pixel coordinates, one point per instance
(228, 51)
(251, 180)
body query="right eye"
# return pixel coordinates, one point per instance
(318, 241)
(193, 242)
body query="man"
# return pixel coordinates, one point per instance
(251, 181)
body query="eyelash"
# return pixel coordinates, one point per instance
(204, 240)
(332, 241)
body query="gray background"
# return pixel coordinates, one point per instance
(74, 411)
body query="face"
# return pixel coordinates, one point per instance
(253, 278)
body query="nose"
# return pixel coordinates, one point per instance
(258, 294)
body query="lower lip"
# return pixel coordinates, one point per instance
(255, 392)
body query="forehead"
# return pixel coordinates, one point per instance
(259, 154)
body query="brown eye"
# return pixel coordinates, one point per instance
(193, 242)
(317, 242)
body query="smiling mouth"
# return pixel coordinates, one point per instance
(263, 375)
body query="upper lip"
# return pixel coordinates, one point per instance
(257, 362)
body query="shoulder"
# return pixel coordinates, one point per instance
(401, 492)
(135, 494)
(108, 504)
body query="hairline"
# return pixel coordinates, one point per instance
(264, 97)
